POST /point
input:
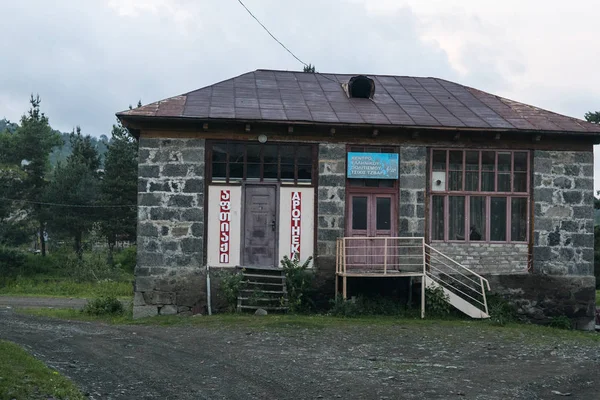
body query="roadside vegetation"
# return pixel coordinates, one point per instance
(67, 209)
(24, 377)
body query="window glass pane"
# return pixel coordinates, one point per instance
(439, 160)
(456, 218)
(504, 162)
(253, 153)
(437, 220)
(520, 182)
(270, 154)
(357, 149)
(372, 182)
(304, 172)
(270, 171)
(384, 212)
(253, 171)
(219, 152)
(359, 212)
(503, 182)
(472, 161)
(218, 170)
(388, 150)
(287, 154)
(456, 160)
(477, 217)
(472, 181)
(387, 183)
(487, 181)
(498, 219)
(287, 171)
(518, 222)
(236, 153)
(304, 154)
(236, 170)
(521, 161)
(488, 161)
(455, 180)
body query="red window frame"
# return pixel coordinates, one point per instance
(487, 195)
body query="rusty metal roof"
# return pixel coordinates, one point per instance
(289, 97)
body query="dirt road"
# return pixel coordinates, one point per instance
(38, 302)
(348, 362)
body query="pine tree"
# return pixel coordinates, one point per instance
(34, 140)
(593, 117)
(75, 189)
(119, 187)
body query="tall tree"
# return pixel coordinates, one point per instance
(34, 140)
(74, 191)
(119, 188)
(593, 117)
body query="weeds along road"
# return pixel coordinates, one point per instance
(347, 360)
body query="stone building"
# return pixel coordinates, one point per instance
(274, 163)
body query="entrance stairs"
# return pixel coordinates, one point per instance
(262, 288)
(380, 257)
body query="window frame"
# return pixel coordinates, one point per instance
(487, 195)
(228, 180)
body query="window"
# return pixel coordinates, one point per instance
(484, 196)
(233, 162)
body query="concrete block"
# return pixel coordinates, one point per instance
(144, 311)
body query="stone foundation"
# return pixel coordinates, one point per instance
(539, 298)
(488, 258)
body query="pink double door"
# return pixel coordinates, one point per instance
(370, 215)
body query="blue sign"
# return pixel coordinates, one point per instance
(373, 165)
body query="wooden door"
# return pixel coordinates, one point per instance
(260, 226)
(370, 215)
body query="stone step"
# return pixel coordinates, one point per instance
(264, 291)
(262, 299)
(265, 283)
(264, 276)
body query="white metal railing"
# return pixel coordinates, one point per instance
(408, 256)
(456, 278)
(380, 255)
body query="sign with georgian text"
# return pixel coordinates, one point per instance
(224, 226)
(296, 226)
(372, 165)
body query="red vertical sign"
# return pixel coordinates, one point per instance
(224, 225)
(296, 225)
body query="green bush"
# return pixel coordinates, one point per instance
(561, 322)
(230, 284)
(12, 261)
(298, 280)
(436, 302)
(104, 306)
(126, 259)
(501, 311)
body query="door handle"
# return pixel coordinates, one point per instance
(273, 225)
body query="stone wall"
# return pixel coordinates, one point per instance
(539, 298)
(413, 182)
(494, 258)
(331, 204)
(170, 273)
(564, 221)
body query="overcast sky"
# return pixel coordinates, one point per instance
(90, 59)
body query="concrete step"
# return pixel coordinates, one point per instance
(282, 292)
(264, 276)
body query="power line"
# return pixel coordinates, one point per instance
(67, 205)
(278, 41)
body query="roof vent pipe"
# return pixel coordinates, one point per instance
(361, 87)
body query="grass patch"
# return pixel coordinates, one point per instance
(531, 333)
(598, 298)
(24, 377)
(65, 287)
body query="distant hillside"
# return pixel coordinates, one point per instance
(62, 152)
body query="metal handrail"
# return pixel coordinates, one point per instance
(460, 265)
(380, 260)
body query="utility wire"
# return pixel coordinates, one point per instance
(67, 205)
(278, 41)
